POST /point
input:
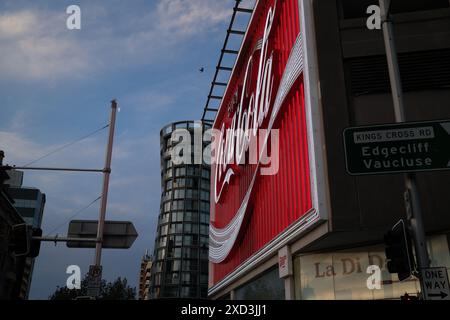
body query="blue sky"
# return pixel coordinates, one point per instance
(56, 85)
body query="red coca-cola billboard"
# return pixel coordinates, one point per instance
(264, 171)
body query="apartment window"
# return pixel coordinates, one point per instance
(191, 216)
(167, 195)
(162, 241)
(191, 240)
(190, 265)
(24, 203)
(173, 265)
(204, 217)
(204, 206)
(204, 229)
(190, 171)
(189, 291)
(157, 279)
(175, 241)
(180, 172)
(182, 125)
(187, 228)
(158, 266)
(164, 230)
(205, 174)
(161, 254)
(167, 207)
(187, 240)
(204, 292)
(203, 279)
(204, 240)
(172, 278)
(191, 205)
(190, 228)
(164, 218)
(204, 265)
(189, 278)
(179, 182)
(176, 228)
(178, 194)
(195, 125)
(167, 130)
(192, 183)
(204, 253)
(170, 291)
(191, 193)
(178, 205)
(177, 216)
(205, 184)
(204, 195)
(174, 252)
(190, 253)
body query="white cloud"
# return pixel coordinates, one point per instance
(36, 45)
(18, 149)
(17, 24)
(185, 18)
(148, 100)
(33, 48)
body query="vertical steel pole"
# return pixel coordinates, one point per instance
(106, 174)
(415, 220)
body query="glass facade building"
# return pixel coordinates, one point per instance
(30, 203)
(180, 267)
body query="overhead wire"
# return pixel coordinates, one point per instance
(73, 216)
(66, 145)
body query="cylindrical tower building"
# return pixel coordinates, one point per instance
(180, 268)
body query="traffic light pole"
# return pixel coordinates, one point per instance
(106, 174)
(104, 198)
(414, 215)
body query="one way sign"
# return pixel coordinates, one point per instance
(436, 286)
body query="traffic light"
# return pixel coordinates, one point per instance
(20, 240)
(398, 251)
(23, 242)
(35, 245)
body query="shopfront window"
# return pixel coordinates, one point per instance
(343, 275)
(267, 287)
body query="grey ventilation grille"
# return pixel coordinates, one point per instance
(422, 70)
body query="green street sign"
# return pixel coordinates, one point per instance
(398, 148)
